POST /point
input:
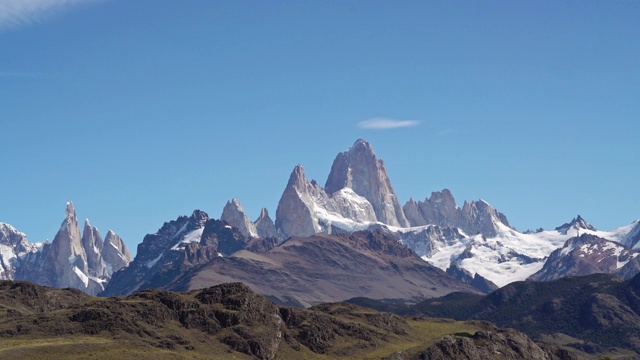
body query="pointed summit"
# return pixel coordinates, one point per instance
(413, 214)
(92, 243)
(70, 211)
(297, 179)
(358, 169)
(264, 225)
(67, 241)
(578, 223)
(235, 216)
(295, 213)
(115, 253)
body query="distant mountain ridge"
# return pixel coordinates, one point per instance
(474, 242)
(84, 262)
(194, 252)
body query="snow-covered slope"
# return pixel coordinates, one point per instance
(475, 237)
(14, 246)
(585, 255)
(510, 255)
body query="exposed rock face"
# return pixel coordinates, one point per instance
(295, 214)
(202, 324)
(477, 281)
(92, 243)
(441, 209)
(188, 254)
(586, 255)
(115, 253)
(166, 246)
(265, 226)
(429, 240)
(305, 208)
(69, 257)
(325, 268)
(482, 218)
(632, 239)
(359, 170)
(13, 246)
(174, 250)
(490, 344)
(235, 216)
(82, 263)
(413, 214)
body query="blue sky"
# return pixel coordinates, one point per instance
(141, 111)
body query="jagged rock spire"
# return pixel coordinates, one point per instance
(294, 215)
(358, 169)
(264, 225)
(235, 216)
(92, 243)
(115, 253)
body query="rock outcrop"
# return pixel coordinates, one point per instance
(493, 343)
(295, 215)
(115, 253)
(428, 240)
(235, 216)
(265, 226)
(359, 170)
(14, 246)
(588, 254)
(176, 248)
(306, 209)
(577, 224)
(228, 320)
(632, 239)
(93, 244)
(70, 260)
(475, 217)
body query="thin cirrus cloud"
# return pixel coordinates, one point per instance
(384, 124)
(16, 13)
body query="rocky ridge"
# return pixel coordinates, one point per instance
(82, 262)
(195, 252)
(475, 237)
(589, 254)
(224, 321)
(597, 314)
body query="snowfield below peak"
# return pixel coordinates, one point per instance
(511, 255)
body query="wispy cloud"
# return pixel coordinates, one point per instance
(383, 123)
(14, 13)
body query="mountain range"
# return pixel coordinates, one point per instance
(84, 262)
(352, 230)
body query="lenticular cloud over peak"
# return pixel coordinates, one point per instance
(384, 123)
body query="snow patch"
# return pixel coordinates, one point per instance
(84, 278)
(153, 262)
(193, 236)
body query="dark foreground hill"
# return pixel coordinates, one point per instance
(598, 314)
(230, 321)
